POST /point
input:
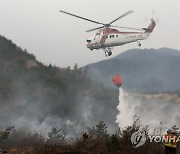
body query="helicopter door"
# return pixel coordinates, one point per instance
(103, 38)
(98, 37)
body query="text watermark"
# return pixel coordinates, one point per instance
(139, 138)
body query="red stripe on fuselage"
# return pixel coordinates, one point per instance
(108, 31)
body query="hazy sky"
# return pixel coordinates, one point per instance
(59, 39)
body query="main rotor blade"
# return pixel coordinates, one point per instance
(94, 29)
(81, 17)
(129, 28)
(125, 14)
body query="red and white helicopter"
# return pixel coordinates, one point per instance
(106, 38)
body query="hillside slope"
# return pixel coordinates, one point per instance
(150, 70)
(38, 97)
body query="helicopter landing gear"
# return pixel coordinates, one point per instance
(139, 43)
(108, 51)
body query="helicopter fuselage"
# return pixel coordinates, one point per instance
(109, 37)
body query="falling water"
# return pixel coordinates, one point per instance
(125, 116)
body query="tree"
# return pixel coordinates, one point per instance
(75, 67)
(114, 144)
(55, 136)
(5, 133)
(99, 131)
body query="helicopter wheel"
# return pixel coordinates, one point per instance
(139, 43)
(109, 53)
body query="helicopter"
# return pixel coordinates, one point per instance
(107, 37)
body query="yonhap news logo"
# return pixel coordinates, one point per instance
(138, 138)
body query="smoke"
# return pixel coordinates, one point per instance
(39, 107)
(38, 111)
(151, 108)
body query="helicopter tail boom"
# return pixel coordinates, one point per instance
(150, 28)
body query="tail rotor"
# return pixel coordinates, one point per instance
(153, 17)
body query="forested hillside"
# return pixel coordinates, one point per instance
(37, 96)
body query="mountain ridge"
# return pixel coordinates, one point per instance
(141, 69)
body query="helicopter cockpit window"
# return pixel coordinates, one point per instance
(98, 32)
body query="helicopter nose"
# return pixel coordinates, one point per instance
(88, 41)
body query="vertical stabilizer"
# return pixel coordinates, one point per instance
(150, 28)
